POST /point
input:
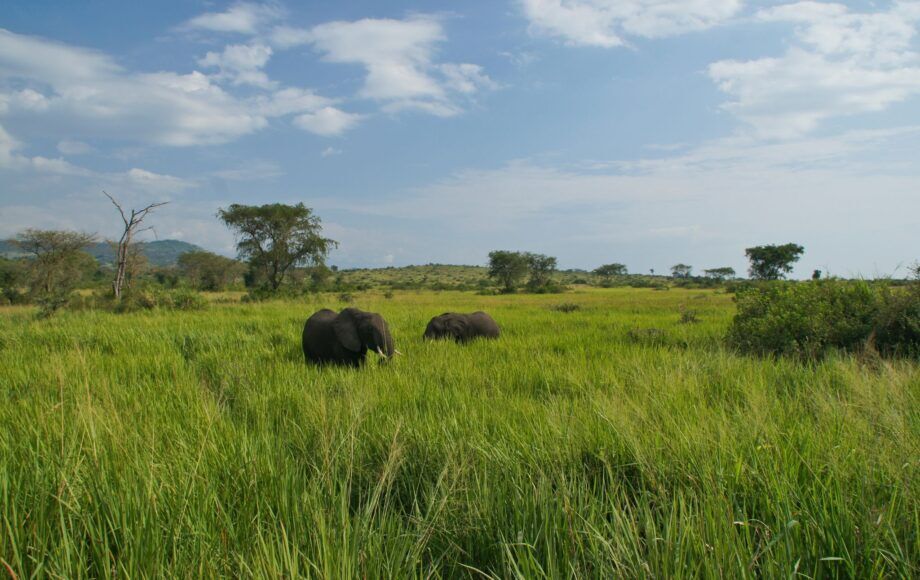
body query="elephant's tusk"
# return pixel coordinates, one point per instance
(397, 352)
(380, 352)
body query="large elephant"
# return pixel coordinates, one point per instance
(345, 338)
(462, 327)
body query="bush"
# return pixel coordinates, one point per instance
(689, 316)
(566, 307)
(137, 299)
(897, 327)
(809, 318)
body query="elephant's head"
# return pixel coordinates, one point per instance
(447, 325)
(359, 331)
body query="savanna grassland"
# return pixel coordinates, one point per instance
(613, 440)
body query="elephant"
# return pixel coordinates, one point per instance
(345, 337)
(462, 327)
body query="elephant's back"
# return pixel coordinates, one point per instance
(317, 335)
(485, 323)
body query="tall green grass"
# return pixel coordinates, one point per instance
(577, 445)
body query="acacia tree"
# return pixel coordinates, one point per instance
(773, 262)
(508, 268)
(720, 274)
(207, 271)
(681, 270)
(125, 253)
(276, 237)
(608, 271)
(57, 260)
(541, 269)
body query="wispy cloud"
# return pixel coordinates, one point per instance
(609, 23)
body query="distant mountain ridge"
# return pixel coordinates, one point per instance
(158, 252)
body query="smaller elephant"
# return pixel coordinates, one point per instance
(345, 337)
(462, 327)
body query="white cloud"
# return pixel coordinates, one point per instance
(327, 121)
(843, 63)
(241, 18)
(83, 92)
(399, 60)
(242, 64)
(607, 23)
(330, 151)
(396, 54)
(466, 78)
(291, 100)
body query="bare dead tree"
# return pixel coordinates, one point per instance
(132, 228)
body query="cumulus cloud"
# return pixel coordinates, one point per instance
(608, 23)
(327, 121)
(399, 61)
(841, 63)
(85, 92)
(242, 18)
(242, 64)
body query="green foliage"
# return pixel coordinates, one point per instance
(140, 299)
(508, 268)
(542, 268)
(611, 270)
(275, 238)
(720, 274)
(210, 272)
(12, 281)
(809, 318)
(773, 262)
(57, 263)
(681, 271)
(198, 444)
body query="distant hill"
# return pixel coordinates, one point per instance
(158, 253)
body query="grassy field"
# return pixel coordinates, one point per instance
(608, 441)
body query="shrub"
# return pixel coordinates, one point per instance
(346, 298)
(809, 318)
(566, 307)
(689, 316)
(897, 326)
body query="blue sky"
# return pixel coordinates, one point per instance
(647, 132)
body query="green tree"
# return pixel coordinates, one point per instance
(681, 270)
(276, 237)
(12, 279)
(208, 271)
(724, 273)
(773, 262)
(608, 271)
(541, 269)
(57, 262)
(508, 268)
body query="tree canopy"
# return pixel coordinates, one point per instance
(208, 271)
(773, 262)
(276, 237)
(681, 270)
(611, 270)
(58, 261)
(508, 268)
(541, 270)
(723, 273)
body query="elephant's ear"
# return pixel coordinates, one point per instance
(458, 326)
(346, 330)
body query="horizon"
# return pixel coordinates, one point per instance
(590, 130)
